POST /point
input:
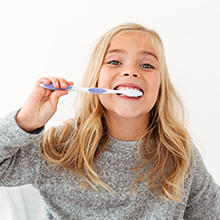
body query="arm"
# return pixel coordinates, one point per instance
(204, 197)
(19, 133)
(17, 149)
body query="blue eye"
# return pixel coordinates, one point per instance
(147, 66)
(114, 62)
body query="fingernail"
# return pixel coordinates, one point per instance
(63, 85)
(57, 84)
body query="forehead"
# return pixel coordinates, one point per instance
(133, 40)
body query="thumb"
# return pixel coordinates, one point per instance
(55, 97)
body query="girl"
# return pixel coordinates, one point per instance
(120, 157)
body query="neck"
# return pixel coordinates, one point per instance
(127, 129)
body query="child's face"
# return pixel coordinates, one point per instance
(131, 62)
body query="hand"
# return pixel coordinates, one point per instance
(41, 105)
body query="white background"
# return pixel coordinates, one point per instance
(44, 38)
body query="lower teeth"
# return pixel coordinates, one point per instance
(128, 96)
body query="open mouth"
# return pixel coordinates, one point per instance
(123, 88)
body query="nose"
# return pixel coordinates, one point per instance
(131, 71)
(131, 74)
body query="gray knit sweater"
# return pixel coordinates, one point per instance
(20, 163)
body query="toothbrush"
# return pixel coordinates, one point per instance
(97, 91)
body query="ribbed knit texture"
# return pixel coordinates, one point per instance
(21, 163)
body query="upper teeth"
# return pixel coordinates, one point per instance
(125, 88)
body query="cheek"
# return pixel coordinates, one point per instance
(105, 100)
(154, 82)
(157, 88)
(104, 78)
(101, 78)
(157, 83)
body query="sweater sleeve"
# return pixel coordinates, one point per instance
(19, 153)
(204, 198)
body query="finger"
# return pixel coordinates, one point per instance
(70, 83)
(42, 80)
(57, 82)
(62, 83)
(54, 81)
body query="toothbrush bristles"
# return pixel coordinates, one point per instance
(131, 93)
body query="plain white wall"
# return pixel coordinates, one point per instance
(43, 38)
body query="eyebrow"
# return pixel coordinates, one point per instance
(149, 53)
(115, 51)
(141, 52)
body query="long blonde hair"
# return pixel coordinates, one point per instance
(74, 146)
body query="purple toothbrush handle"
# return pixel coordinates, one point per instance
(97, 90)
(51, 87)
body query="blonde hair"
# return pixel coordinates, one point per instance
(74, 146)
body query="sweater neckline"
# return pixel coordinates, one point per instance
(116, 144)
(122, 141)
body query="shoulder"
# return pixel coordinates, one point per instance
(204, 193)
